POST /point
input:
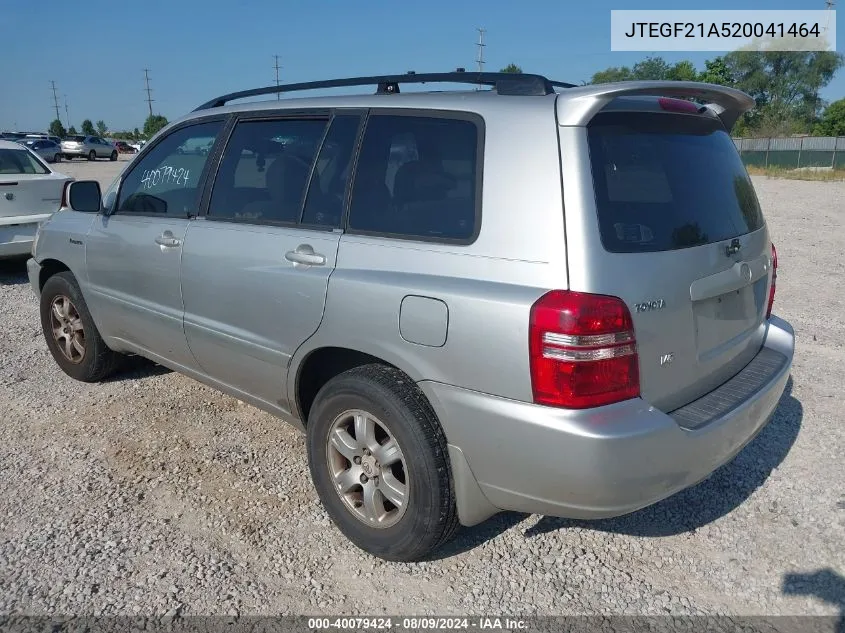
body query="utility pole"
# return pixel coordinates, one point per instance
(67, 115)
(56, 101)
(278, 95)
(149, 90)
(481, 45)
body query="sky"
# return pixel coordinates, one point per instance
(96, 50)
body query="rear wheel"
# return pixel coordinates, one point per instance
(57, 158)
(71, 335)
(92, 155)
(378, 459)
(113, 156)
(68, 157)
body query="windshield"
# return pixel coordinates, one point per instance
(665, 181)
(20, 161)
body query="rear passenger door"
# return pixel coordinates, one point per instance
(255, 268)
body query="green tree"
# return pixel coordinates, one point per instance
(57, 129)
(136, 134)
(71, 130)
(654, 68)
(682, 71)
(716, 71)
(511, 68)
(609, 75)
(102, 128)
(785, 85)
(832, 122)
(153, 124)
(88, 128)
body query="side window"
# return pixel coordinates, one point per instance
(417, 177)
(265, 170)
(167, 180)
(324, 205)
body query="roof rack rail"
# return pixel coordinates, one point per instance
(523, 84)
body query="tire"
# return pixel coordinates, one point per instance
(92, 155)
(57, 158)
(428, 517)
(96, 361)
(113, 156)
(68, 157)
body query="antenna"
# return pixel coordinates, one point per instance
(278, 94)
(149, 90)
(480, 45)
(56, 101)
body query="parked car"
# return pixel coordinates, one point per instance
(540, 297)
(29, 193)
(138, 145)
(45, 148)
(90, 147)
(55, 139)
(125, 148)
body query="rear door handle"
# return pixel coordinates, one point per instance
(167, 239)
(304, 254)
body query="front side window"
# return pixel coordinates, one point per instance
(417, 178)
(167, 180)
(265, 170)
(20, 161)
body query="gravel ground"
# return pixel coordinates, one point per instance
(152, 494)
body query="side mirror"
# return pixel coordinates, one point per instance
(84, 196)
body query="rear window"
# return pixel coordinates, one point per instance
(668, 181)
(74, 138)
(20, 161)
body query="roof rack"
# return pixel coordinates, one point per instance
(523, 84)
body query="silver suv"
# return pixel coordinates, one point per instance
(90, 147)
(537, 297)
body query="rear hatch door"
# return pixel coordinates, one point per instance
(680, 237)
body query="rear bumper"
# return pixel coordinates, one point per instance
(601, 462)
(17, 234)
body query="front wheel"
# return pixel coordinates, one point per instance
(57, 158)
(72, 338)
(113, 156)
(379, 462)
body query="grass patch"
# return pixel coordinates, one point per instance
(826, 175)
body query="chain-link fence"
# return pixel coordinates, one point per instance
(793, 152)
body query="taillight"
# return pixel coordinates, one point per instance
(65, 202)
(774, 281)
(582, 350)
(677, 105)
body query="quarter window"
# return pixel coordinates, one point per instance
(167, 180)
(265, 170)
(417, 178)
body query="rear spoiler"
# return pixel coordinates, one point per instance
(576, 106)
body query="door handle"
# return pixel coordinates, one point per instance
(167, 239)
(304, 254)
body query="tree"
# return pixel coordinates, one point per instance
(102, 128)
(88, 128)
(785, 84)
(832, 122)
(682, 71)
(71, 130)
(136, 134)
(616, 73)
(511, 68)
(153, 124)
(716, 71)
(650, 68)
(57, 129)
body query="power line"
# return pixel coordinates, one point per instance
(67, 114)
(56, 100)
(276, 57)
(149, 90)
(480, 45)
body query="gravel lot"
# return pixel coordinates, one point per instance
(152, 493)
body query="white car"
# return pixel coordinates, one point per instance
(30, 192)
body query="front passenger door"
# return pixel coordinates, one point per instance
(133, 254)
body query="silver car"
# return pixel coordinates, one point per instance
(45, 148)
(90, 147)
(538, 297)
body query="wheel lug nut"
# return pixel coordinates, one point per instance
(357, 460)
(364, 479)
